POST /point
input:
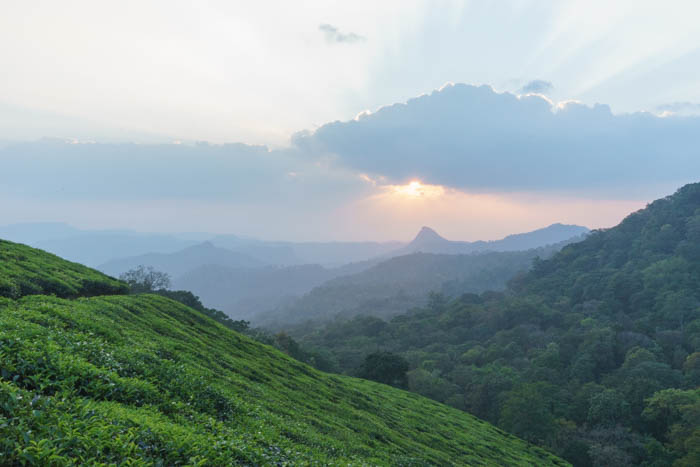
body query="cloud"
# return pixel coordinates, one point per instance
(236, 173)
(537, 86)
(334, 36)
(679, 108)
(474, 138)
(249, 190)
(463, 143)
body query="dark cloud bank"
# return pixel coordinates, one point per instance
(474, 138)
(59, 170)
(462, 136)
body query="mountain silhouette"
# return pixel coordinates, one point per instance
(429, 241)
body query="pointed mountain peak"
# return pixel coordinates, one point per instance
(427, 234)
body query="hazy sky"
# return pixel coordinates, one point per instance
(276, 73)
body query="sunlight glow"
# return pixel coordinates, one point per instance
(398, 211)
(416, 189)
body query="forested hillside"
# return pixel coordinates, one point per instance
(144, 380)
(397, 284)
(594, 354)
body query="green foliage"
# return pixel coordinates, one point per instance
(280, 341)
(26, 271)
(144, 380)
(191, 300)
(148, 280)
(675, 416)
(575, 346)
(144, 279)
(526, 412)
(385, 367)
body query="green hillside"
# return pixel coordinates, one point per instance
(594, 354)
(142, 379)
(27, 271)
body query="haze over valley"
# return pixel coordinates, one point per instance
(350, 233)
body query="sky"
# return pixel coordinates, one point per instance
(345, 120)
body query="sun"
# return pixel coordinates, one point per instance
(414, 188)
(417, 189)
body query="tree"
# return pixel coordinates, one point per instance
(607, 408)
(289, 346)
(146, 279)
(385, 367)
(675, 414)
(526, 412)
(667, 407)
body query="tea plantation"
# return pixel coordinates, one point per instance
(144, 380)
(27, 271)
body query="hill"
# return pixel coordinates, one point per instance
(328, 254)
(143, 379)
(99, 247)
(429, 241)
(96, 247)
(393, 286)
(244, 293)
(248, 293)
(180, 262)
(26, 271)
(594, 354)
(335, 254)
(93, 247)
(33, 232)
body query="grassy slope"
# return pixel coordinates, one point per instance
(27, 271)
(111, 378)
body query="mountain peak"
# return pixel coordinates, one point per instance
(426, 234)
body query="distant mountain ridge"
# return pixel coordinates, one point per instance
(247, 277)
(429, 241)
(329, 254)
(99, 247)
(244, 292)
(403, 282)
(94, 247)
(180, 262)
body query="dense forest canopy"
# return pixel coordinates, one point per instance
(594, 354)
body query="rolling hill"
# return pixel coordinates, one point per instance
(26, 271)
(93, 247)
(180, 262)
(243, 293)
(328, 254)
(141, 379)
(595, 353)
(393, 286)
